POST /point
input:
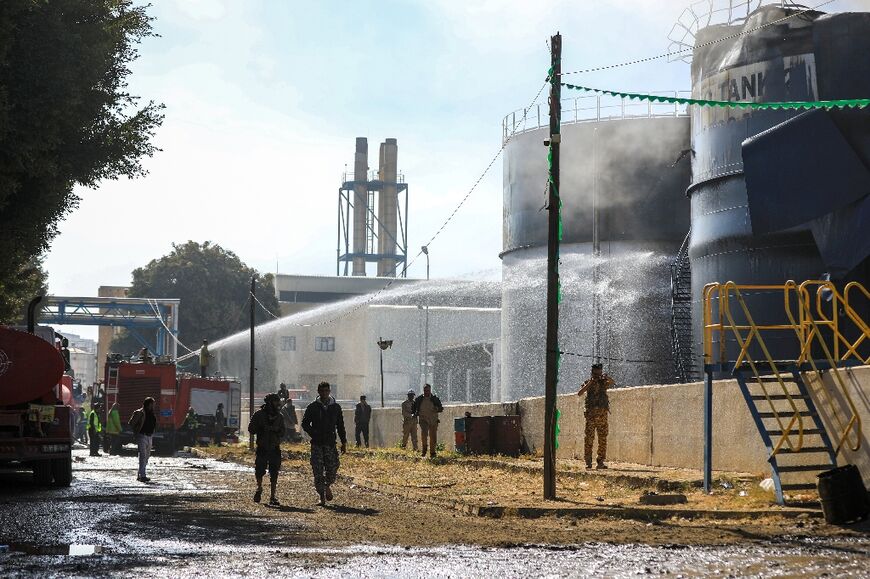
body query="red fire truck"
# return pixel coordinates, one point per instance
(129, 382)
(35, 425)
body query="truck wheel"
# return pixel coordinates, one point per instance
(42, 472)
(61, 469)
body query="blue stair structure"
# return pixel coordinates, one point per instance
(797, 442)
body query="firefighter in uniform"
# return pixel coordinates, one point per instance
(94, 429)
(597, 408)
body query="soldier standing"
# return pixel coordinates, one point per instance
(409, 421)
(322, 420)
(426, 409)
(94, 429)
(361, 418)
(597, 408)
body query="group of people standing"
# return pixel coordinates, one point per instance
(323, 422)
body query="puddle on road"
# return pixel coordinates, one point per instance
(70, 550)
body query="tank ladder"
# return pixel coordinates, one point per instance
(681, 316)
(776, 414)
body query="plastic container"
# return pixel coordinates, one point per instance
(843, 495)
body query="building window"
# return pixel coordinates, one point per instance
(288, 343)
(324, 344)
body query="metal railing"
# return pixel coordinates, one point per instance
(371, 175)
(593, 108)
(837, 348)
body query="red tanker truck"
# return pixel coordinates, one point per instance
(35, 425)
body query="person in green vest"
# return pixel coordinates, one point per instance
(113, 429)
(191, 424)
(94, 429)
(203, 359)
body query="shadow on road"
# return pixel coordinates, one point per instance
(352, 510)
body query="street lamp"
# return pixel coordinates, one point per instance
(383, 345)
(425, 250)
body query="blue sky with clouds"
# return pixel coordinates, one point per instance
(265, 97)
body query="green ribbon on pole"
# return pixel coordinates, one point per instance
(832, 104)
(558, 428)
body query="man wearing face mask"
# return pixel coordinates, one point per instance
(268, 426)
(322, 420)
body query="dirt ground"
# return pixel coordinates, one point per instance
(411, 523)
(197, 518)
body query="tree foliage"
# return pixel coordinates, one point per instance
(17, 290)
(66, 118)
(213, 285)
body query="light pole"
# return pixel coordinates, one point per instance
(383, 345)
(425, 250)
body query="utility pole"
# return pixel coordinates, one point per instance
(552, 369)
(425, 250)
(253, 369)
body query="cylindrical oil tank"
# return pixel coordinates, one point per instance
(775, 63)
(636, 170)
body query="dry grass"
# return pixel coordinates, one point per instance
(514, 482)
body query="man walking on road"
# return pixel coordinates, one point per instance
(94, 429)
(143, 422)
(204, 357)
(426, 409)
(113, 430)
(409, 421)
(321, 421)
(361, 418)
(268, 425)
(597, 407)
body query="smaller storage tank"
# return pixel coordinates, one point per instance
(631, 161)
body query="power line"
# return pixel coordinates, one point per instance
(265, 309)
(702, 45)
(153, 303)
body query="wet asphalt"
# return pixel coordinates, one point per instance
(108, 524)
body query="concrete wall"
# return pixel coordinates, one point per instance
(655, 425)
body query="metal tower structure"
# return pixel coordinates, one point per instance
(367, 234)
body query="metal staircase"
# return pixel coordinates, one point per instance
(795, 457)
(801, 441)
(681, 316)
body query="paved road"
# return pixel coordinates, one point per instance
(173, 528)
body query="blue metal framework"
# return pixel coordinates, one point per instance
(345, 207)
(134, 314)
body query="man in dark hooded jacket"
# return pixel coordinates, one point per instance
(321, 421)
(268, 425)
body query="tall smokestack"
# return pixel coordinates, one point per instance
(388, 204)
(360, 203)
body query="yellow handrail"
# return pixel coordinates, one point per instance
(785, 430)
(807, 326)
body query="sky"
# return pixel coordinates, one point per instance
(264, 100)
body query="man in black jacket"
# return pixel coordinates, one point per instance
(268, 424)
(321, 421)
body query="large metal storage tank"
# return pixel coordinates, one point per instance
(638, 169)
(774, 63)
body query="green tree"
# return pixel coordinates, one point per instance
(66, 118)
(213, 285)
(17, 290)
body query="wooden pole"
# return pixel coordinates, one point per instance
(552, 360)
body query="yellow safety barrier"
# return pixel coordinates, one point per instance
(807, 327)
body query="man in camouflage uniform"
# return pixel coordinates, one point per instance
(597, 408)
(321, 421)
(426, 409)
(409, 421)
